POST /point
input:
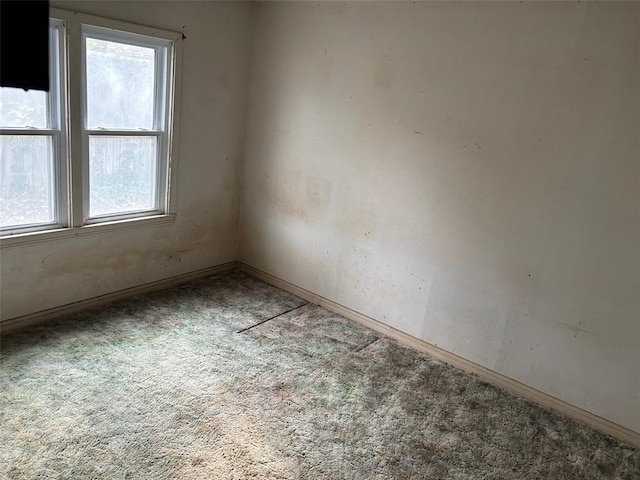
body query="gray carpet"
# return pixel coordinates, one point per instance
(164, 386)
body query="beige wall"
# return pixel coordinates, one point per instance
(214, 80)
(465, 172)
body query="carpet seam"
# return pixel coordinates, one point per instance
(272, 318)
(367, 345)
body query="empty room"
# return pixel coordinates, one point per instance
(320, 240)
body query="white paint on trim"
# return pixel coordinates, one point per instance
(540, 398)
(13, 324)
(45, 236)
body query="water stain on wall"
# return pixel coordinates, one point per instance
(318, 193)
(285, 193)
(305, 198)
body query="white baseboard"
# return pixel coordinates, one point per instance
(545, 400)
(16, 323)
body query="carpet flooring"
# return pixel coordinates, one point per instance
(231, 378)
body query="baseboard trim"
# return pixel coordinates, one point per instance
(540, 398)
(13, 324)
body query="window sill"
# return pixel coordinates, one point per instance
(23, 239)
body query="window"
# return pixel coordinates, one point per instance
(33, 146)
(96, 148)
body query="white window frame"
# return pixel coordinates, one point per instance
(72, 202)
(56, 129)
(162, 118)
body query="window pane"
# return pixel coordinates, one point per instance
(120, 85)
(26, 180)
(19, 108)
(122, 174)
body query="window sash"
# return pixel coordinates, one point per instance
(159, 192)
(51, 175)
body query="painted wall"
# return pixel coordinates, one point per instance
(465, 172)
(214, 80)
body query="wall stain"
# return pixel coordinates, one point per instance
(305, 201)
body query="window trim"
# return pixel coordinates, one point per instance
(72, 171)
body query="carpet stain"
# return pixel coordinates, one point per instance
(164, 386)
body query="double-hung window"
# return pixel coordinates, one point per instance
(96, 148)
(34, 149)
